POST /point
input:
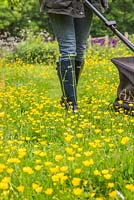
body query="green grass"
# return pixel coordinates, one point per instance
(46, 153)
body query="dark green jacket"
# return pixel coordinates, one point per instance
(73, 8)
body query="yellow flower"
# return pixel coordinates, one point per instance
(10, 142)
(105, 171)
(107, 176)
(55, 178)
(20, 188)
(42, 154)
(10, 170)
(38, 161)
(79, 149)
(2, 167)
(97, 172)
(21, 152)
(92, 144)
(110, 185)
(107, 130)
(125, 140)
(38, 167)
(131, 104)
(70, 158)
(5, 193)
(75, 146)
(49, 191)
(4, 185)
(97, 131)
(120, 102)
(77, 171)
(59, 177)
(92, 194)
(58, 157)
(13, 160)
(77, 155)
(79, 135)
(68, 138)
(6, 179)
(120, 130)
(88, 153)
(130, 187)
(37, 152)
(64, 168)
(85, 182)
(77, 191)
(47, 164)
(28, 170)
(88, 163)
(76, 181)
(36, 187)
(113, 194)
(54, 169)
(63, 179)
(20, 142)
(107, 140)
(69, 150)
(28, 138)
(2, 114)
(42, 142)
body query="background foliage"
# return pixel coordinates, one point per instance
(18, 15)
(33, 50)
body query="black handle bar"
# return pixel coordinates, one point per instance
(111, 25)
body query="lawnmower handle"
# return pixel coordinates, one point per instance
(111, 25)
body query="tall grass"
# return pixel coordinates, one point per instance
(48, 154)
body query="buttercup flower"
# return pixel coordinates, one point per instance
(2, 167)
(77, 171)
(13, 160)
(130, 187)
(37, 187)
(113, 194)
(48, 191)
(97, 173)
(58, 157)
(107, 176)
(28, 170)
(77, 191)
(88, 163)
(76, 181)
(38, 167)
(125, 140)
(110, 185)
(20, 188)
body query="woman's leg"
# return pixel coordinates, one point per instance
(63, 27)
(82, 31)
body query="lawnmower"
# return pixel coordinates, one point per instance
(125, 65)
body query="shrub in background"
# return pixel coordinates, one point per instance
(34, 50)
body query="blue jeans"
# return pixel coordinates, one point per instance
(72, 34)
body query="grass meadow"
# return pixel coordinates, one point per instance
(49, 154)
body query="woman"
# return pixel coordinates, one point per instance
(71, 22)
